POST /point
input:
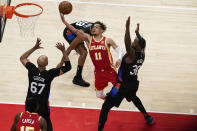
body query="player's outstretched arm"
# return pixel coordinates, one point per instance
(64, 59)
(81, 36)
(24, 56)
(69, 26)
(127, 40)
(13, 128)
(61, 47)
(43, 124)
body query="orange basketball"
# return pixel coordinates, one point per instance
(65, 7)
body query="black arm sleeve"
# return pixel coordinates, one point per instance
(56, 71)
(67, 67)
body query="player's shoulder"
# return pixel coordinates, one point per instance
(30, 65)
(18, 115)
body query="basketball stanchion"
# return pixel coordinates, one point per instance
(27, 14)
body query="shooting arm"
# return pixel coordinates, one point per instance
(69, 26)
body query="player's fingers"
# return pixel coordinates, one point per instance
(41, 47)
(38, 39)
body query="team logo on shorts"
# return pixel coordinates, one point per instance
(68, 32)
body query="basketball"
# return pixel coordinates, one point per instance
(65, 7)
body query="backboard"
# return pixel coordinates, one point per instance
(2, 18)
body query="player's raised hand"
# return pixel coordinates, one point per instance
(60, 46)
(137, 28)
(128, 23)
(38, 43)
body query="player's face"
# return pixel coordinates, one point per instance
(96, 30)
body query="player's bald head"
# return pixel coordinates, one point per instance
(42, 61)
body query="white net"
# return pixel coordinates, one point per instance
(27, 25)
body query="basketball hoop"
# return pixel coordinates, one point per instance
(27, 15)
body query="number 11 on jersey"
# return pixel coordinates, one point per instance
(98, 56)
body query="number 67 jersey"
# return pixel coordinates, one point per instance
(128, 72)
(40, 83)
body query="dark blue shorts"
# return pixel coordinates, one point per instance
(69, 35)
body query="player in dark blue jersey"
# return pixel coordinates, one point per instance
(128, 82)
(40, 79)
(80, 49)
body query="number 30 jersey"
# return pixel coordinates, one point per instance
(100, 54)
(128, 71)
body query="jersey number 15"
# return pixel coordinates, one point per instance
(26, 128)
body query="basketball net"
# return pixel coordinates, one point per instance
(27, 14)
(27, 21)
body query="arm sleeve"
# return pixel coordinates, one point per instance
(120, 53)
(56, 71)
(67, 67)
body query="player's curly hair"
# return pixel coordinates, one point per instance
(103, 26)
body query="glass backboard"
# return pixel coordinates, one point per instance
(2, 17)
